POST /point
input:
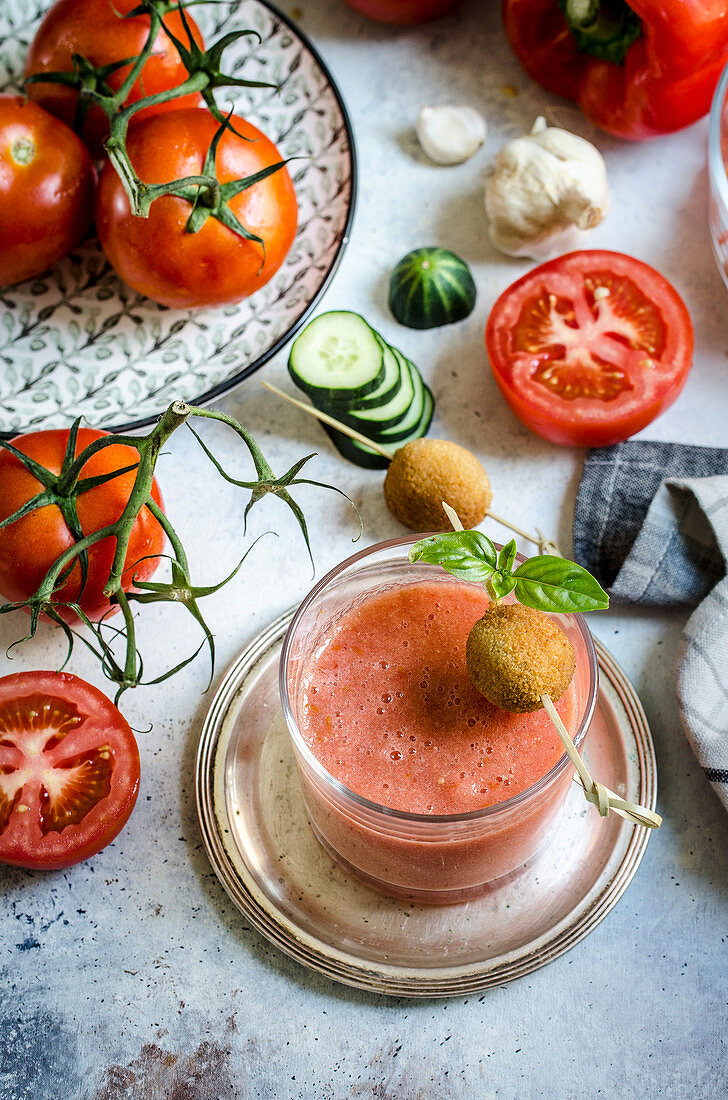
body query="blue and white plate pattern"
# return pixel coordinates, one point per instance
(78, 342)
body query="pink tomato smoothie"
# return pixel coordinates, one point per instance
(390, 711)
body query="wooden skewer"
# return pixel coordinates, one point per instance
(602, 797)
(544, 545)
(452, 516)
(343, 428)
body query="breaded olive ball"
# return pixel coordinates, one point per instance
(515, 655)
(425, 472)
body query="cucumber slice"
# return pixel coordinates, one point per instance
(419, 429)
(354, 451)
(337, 357)
(370, 421)
(387, 389)
(369, 459)
(349, 371)
(409, 424)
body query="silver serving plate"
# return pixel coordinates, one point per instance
(263, 850)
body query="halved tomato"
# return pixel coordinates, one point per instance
(69, 770)
(589, 348)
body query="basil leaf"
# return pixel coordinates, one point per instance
(506, 558)
(548, 583)
(501, 585)
(468, 555)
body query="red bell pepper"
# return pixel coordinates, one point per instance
(636, 70)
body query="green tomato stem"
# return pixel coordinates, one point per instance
(261, 467)
(130, 662)
(203, 192)
(155, 23)
(48, 584)
(67, 481)
(149, 449)
(22, 151)
(141, 195)
(163, 521)
(180, 589)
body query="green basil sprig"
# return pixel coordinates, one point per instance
(545, 582)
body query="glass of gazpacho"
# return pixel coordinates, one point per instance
(412, 780)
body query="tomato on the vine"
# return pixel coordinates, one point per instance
(102, 33)
(589, 348)
(156, 255)
(69, 770)
(46, 189)
(30, 545)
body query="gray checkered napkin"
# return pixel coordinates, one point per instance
(651, 524)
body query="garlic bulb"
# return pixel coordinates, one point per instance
(547, 190)
(450, 135)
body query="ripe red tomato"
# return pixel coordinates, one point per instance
(69, 770)
(29, 546)
(98, 31)
(156, 255)
(589, 348)
(403, 11)
(46, 189)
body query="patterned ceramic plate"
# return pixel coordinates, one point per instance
(264, 852)
(77, 342)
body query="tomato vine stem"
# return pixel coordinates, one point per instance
(204, 192)
(122, 587)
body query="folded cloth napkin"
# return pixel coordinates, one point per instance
(651, 524)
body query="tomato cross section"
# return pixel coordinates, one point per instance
(69, 770)
(589, 348)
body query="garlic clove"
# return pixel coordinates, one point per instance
(450, 135)
(547, 190)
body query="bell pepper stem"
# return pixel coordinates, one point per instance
(581, 13)
(603, 28)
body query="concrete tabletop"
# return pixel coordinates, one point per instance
(132, 976)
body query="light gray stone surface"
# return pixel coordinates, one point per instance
(132, 977)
